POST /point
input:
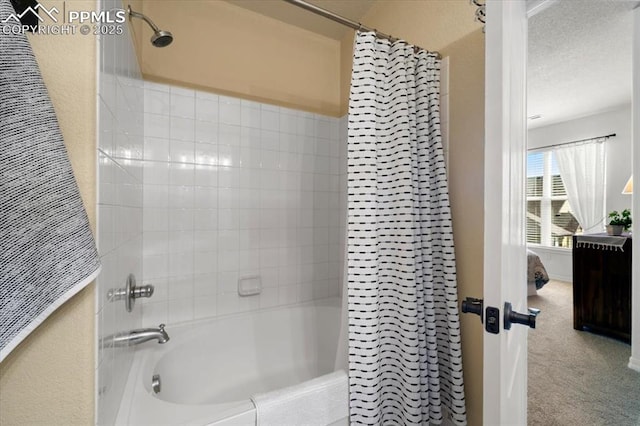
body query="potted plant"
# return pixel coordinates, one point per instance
(619, 222)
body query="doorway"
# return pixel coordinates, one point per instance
(579, 87)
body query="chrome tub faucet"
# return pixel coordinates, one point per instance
(135, 337)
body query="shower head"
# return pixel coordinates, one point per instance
(160, 38)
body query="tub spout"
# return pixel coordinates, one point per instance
(141, 335)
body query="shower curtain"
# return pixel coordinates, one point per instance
(405, 364)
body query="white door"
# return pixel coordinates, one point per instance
(505, 353)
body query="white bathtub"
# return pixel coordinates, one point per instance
(209, 369)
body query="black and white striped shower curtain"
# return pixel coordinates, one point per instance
(405, 364)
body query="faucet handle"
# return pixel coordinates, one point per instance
(130, 292)
(161, 327)
(143, 291)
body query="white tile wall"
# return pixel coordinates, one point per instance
(120, 216)
(234, 188)
(339, 235)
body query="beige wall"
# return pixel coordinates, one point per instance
(466, 187)
(49, 378)
(229, 50)
(449, 27)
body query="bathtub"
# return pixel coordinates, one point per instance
(209, 369)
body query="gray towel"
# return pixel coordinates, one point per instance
(47, 250)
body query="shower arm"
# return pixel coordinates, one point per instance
(144, 18)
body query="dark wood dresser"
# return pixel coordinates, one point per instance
(602, 288)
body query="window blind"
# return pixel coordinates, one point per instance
(550, 221)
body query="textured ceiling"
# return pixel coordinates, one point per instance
(294, 15)
(579, 59)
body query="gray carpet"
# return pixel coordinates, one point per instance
(576, 377)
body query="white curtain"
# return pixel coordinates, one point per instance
(582, 167)
(405, 364)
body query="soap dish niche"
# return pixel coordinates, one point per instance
(249, 285)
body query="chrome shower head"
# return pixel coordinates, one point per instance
(160, 38)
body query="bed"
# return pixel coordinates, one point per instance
(537, 275)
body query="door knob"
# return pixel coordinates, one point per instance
(513, 317)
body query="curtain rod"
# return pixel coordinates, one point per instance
(348, 22)
(572, 142)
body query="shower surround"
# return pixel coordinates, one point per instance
(196, 191)
(237, 189)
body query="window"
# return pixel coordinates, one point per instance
(550, 221)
